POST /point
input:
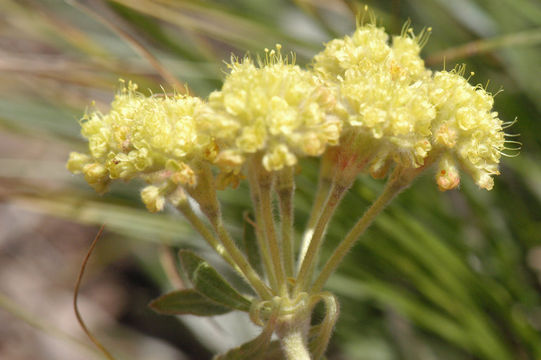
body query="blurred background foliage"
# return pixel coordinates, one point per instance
(451, 275)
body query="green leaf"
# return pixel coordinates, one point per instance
(208, 282)
(187, 301)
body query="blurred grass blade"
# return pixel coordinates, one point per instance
(134, 223)
(33, 320)
(524, 38)
(216, 22)
(101, 12)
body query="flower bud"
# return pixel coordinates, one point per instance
(152, 198)
(447, 176)
(97, 176)
(77, 161)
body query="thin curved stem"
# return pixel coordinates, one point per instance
(92, 338)
(322, 193)
(319, 345)
(170, 267)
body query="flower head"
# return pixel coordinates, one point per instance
(466, 129)
(273, 107)
(151, 137)
(382, 95)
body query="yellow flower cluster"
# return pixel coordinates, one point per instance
(396, 111)
(369, 98)
(150, 137)
(466, 129)
(274, 108)
(383, 95)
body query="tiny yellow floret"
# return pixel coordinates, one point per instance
(153, 198)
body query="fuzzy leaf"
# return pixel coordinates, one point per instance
(187, 301)
(209, 283)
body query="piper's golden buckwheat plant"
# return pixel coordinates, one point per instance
(366, 105)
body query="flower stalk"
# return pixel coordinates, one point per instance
(269, 226)
(293, 341)
(394, 186)
(186, 209)
(324, 183)
(293, 329)
(263, 245)
(285, 188)
(336, 193)
(204, 194)
(240, 260)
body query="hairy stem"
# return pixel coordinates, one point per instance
(322, 192)
(294, 339)
(318, 346)
(185, 208)
(394, 186)
(286, 190)
(336, 193)
(205, 195)
(265, 192)
(238, 257)
(260, 236)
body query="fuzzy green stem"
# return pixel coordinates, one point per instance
(260, 236)
(238, 257)
(336, 193)
(294, 346)
(286, 189)
(322, 192)
(205, 195)
(293, 339)
(185, 208)
(318, 346)
(395, 185)
(265, 192)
